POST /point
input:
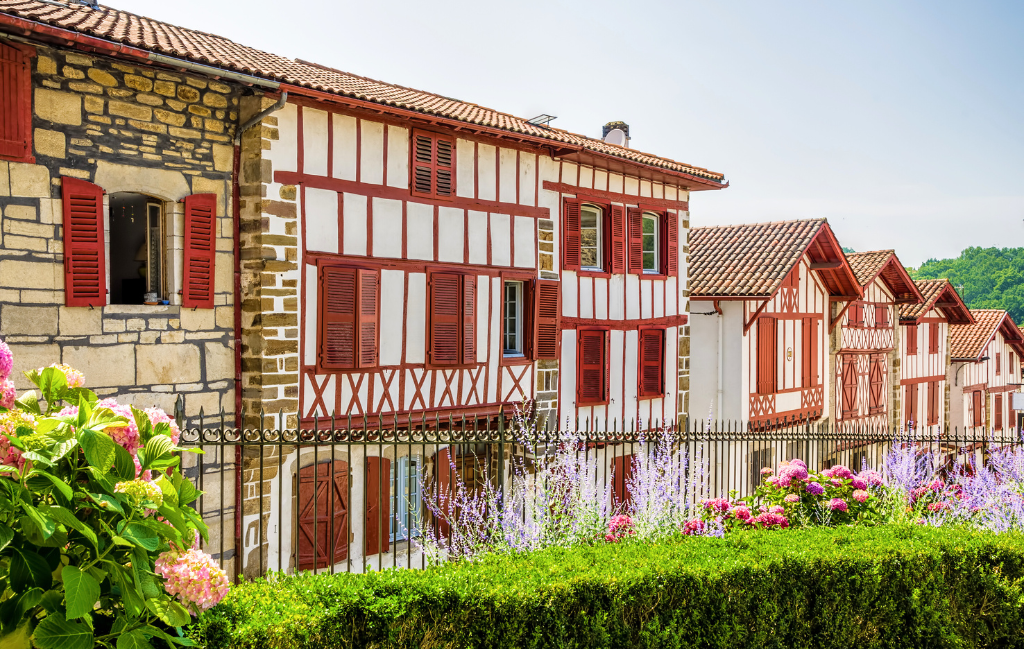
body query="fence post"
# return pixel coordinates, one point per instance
(179, 412)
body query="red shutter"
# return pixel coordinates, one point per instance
(911, 339)
(997, 416)
(323, 509)
(338, 299)
(933, 403)
(881, 316)
(652, 366)
(618, 239)
(547, 311)
(378, 504)
(912, 421)
(622, 473)
(976, 403)
(469, 319)
(444, 318)
(636, 241)
(369, 289)
(571, 238)
(85, 274)
(433, 165)
(15, 104)
(999, 367)
(933, 338)
(876, 380)
(670, 250)
(849, 387)
(445, 493)
(767, 355)
(590, 368)
(200, 250)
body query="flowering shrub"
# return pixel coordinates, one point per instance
(95, 517)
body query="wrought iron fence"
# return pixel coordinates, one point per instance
(345, 495)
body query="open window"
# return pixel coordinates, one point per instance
(530, 319)
(138, 250)
(514, 327)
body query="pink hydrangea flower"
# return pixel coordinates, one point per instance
(838, 505)
(797, 461)
(936, 507)
(836, 482)
(193, 577)
(619, 527)
(720, 505)
(918, 493)
(769, 520)
(872, 477)
(815, 489)
(840, 471)
(6, 361)
(792, 498)
(858, 483)
(777, 509)
(694, 527)
(7, 394)
(860, 495)
(766, 471)
(937, 485)
(741, 512)
(72, 377)
(127, 435)
(158, 416)
(9, 423)
(790, 471)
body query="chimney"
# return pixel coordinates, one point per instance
(616, 133)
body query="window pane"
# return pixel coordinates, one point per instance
(649, 261)
(650, 243)
(590, 237)
(512, 327)
(649, 225)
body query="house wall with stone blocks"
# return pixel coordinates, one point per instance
(133, 129)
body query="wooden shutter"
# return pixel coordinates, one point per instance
(378, 504)
(200, 250)
(433, 165)
(444, 318)
(339, 289)
(911, 339)
(999, 367)
(618, 239)
(15, 104)
(809, 353)
(933, 338)
(323, 509)
(572, 236)
(976, 403)
(469, 319)
(369, 291)
(670, 248)
(85, 274)
(636, 241)
(767, 355)
(933, 403)
(876, 379)
(997, 415)
(912, 421)
(590, 372)
(881, 316)
(547, 303)
(652, 362)
(849, 387)
(622, 473)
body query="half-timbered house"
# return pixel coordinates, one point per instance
(984, 370)
(924, 353)
(866, 368)
(766, 297)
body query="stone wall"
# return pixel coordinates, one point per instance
(127, 129)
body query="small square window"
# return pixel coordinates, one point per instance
(512, 328)
(650, 243)
(591, 224)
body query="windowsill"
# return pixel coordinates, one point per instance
(150, 309)
(653, 275)
(588, 272)
(517, 359)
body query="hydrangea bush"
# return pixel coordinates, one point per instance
(98, 541)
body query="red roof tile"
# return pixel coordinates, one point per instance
(869, 265)
(154, 36)
(751, 260)
(968, 341)
(934, 291)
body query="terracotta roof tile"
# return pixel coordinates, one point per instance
(170, 40)
(866, 265)
(969, 340)
(869, 265)
(930, 290)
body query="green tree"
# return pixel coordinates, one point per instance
(987, 278)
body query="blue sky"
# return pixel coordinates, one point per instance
(899, 122)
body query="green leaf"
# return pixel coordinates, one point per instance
(19, 638)
(99, 449)
(6, 534)
(107, 503)
(166, 637)
(29, 402)
(81, 591)
(36, 458)
(52, 601)
(53, 385)
(169, 611)
(63, 487)
(67, 519)
(141, 536)
(142, 423)
(46, 425)
(157, 447)
(133, 640)
(167, 489)
(44, 527)
(134, 604)
(28, 570)
(187, 492)
(55, 632)
(63, 448)
(124, 465)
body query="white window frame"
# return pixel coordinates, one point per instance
(172, 237)
(400, 506)
(657, 235)
(517, 350)
(599, 227)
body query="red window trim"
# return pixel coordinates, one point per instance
(605, 341)
(357, 317)
(642, 392)
(23, 109)
(434, 167)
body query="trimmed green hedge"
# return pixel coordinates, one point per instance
(821, 588)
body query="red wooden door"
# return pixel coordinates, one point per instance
(622, 473)
(976, 403)
(997, 414)
(378, 505)
(876, 378)
(323, 514)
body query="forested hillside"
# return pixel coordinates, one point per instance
(987, 278)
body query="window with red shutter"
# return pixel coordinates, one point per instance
(85, 275)
(547, 312)
(200, 250)
(591, 373)
(636, 241)
(933, 403)
(622, 473)
(323, 514)
(452, 326)
(911, 339)
(670, 247)
(349, 305)
(809, 353)
(652, 362)
(618, 239)
(855, 315)
(876, 378)
(571, 236)
(911, 408)
(15, 104)
(999, 367)
(767, 355)
(977, 418)
(997, 414)
(378, 505)
(433, 165)
(933, 338)
(881, 317)
(849, 387)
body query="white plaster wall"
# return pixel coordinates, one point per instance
(314, 141)
(416, 319)
(371, 150)
(419, 231)
(703, 360)
(284, 153)
(387, 228)
(500, 241)
(465, 166)
(321, 219)
(354, 207)
(344, 147)
(398, 156)
(525, 240)
(392, 307)
(451, 224)
(477, 237)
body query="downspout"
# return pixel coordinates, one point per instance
(721, 356)
(236, 233)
